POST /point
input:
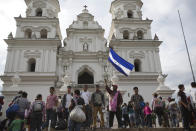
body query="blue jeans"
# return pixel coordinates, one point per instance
(50, 115)
(74, 126)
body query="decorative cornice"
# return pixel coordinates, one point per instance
(135, 43)
(35, 78)
(131, 21)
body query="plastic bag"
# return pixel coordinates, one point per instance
(78, 115)
(26, 115)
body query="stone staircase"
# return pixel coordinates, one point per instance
(139, 129)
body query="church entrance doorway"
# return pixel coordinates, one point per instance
(85, 77)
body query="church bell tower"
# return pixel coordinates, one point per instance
(32, 51)
(130, 36)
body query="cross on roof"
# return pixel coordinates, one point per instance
(85, 7)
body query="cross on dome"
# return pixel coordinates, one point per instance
(85, 10)
(85, 7)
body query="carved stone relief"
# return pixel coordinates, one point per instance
(85, 40)
(39, 4)
(28, 11)
(119, 13)
(137, 54)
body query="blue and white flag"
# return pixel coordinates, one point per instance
(119, 63)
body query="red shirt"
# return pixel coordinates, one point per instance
(51, 101)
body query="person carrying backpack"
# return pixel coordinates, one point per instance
(158, 108)
(173, 112)
(98, 102)
(23, 104)
(76, 102)
(86, 95)
(37, 114)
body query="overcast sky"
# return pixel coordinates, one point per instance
(165, 24)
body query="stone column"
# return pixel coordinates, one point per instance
(149, 61)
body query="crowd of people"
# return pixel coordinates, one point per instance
(78, 110)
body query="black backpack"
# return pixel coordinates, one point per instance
(61, 125)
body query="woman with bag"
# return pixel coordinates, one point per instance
(77, 115)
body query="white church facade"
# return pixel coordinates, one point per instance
(38, 59)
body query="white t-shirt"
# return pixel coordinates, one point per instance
(86, 96)
(68, 100)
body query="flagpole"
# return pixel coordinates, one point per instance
(186, 47)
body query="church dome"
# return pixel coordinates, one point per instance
(85, 16)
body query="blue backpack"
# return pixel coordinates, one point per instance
(142, 105)
(11, 110)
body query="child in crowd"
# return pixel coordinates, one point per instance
(17, 124)
(131, 114)
(125, 115)
(148, 112)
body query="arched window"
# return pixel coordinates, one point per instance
(39, 12)
(126, 34)
(28, 33)
(43, 33)
(129, 14)
(137, 64)
(140, 35)
(85, 24)
(31, 65)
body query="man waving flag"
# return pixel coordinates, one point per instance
(119, 63)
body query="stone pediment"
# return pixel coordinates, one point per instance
(85, 21)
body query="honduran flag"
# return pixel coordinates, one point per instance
(119, 63)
